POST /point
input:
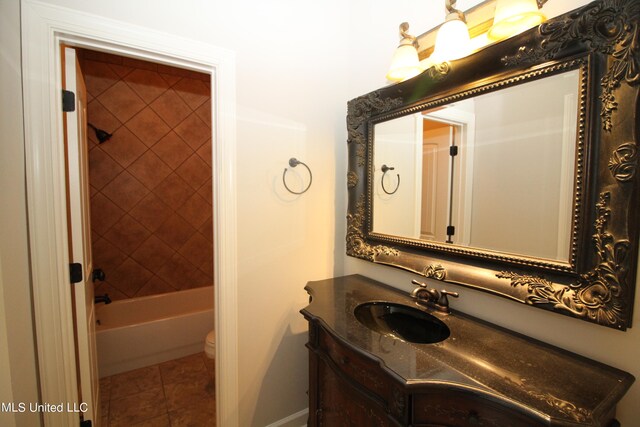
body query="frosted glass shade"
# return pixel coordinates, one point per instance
(452, 41)
(513, 17)
(405, 63)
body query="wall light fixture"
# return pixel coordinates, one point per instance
(488, 22)
(452, 41)
(513, 17)
(405, 63)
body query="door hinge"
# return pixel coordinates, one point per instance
(75, 272)
(453, 150)
(68, 101)
(451, 230)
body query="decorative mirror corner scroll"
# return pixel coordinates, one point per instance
(564, 182)
(435, 271)
(624, 162)
(357, 245)
(352, 179)
(359, 109)
(601, 294)
(608, 27)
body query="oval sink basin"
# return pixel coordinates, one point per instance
(402, 321)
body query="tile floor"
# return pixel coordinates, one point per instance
(177, 393)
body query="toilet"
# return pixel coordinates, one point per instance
(210, 345)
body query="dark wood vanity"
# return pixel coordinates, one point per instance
(480, 375)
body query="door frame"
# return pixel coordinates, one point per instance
(463, 189)
(44, 28)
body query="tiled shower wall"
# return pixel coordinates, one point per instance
(151, 193)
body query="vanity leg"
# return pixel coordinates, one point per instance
(314, 410)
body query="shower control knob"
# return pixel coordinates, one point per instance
(98, 275)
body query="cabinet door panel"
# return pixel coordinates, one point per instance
(462, 409)
(342, 406)
(366, 372)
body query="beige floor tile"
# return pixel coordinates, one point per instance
(104, 407)
(190, 393)
(210, 364)
(134, 382)
(161, 421)
(183, 369)
(136, 408)
(105, 388)
(140, 399)
(194, 416)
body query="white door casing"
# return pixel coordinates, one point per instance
(45, 28)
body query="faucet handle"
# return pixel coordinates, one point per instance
(443, 301)
(444, 293)
(422, 285)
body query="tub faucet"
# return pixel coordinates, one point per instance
(102, 298)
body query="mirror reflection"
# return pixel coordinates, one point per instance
(493, 172)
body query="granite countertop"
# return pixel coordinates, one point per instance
(536, 378)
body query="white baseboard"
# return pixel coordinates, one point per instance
(294, 420)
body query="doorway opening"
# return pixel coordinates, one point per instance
(150, 175)
(45, 29)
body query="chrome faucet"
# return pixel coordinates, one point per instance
(431, 297)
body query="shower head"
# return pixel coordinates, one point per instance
(102, 135)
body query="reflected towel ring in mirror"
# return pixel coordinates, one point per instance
(386, 169)
(293, 162)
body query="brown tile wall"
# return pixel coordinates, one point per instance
(151, 193)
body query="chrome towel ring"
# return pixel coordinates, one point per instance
(386, 169)
(293, 162)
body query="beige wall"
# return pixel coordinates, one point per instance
(619, 349)
(18, 382)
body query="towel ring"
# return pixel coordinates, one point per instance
(293, 162)
(386, 169)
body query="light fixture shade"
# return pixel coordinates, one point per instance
(513, 17)
(405, 63)
(452, 40)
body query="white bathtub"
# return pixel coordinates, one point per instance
(143, 331)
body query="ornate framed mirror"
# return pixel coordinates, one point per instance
(513, 170)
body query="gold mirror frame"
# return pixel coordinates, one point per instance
(597, 284)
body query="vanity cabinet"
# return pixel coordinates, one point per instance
(348, 388)
(339, 401)
(348, 385)
(481, 375)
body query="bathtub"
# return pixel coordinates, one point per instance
(143, 331)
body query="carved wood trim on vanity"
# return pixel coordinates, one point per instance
(597, 282)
